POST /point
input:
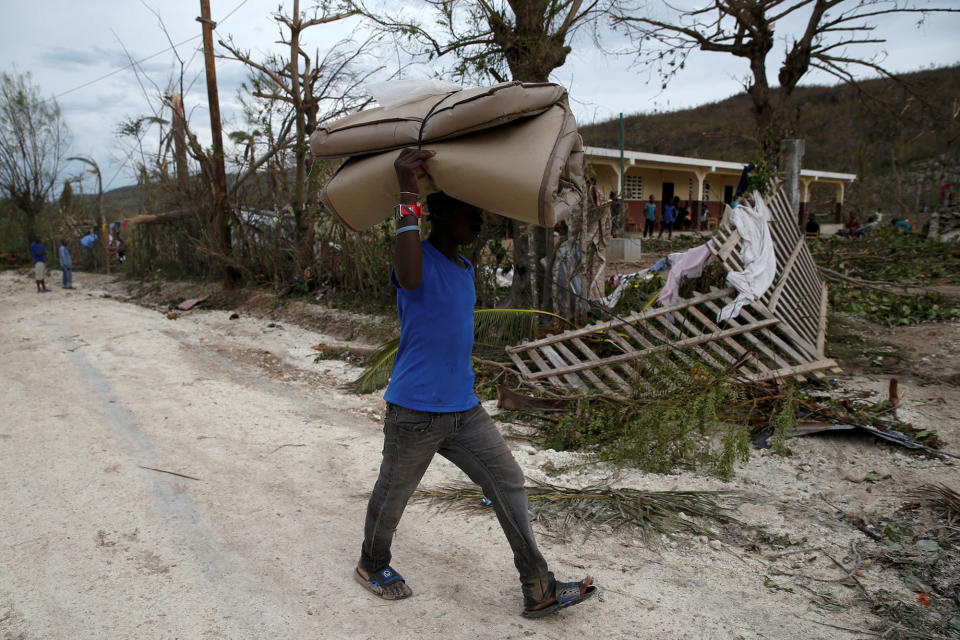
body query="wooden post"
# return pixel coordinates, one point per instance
(792, 151)
(103, 222)
(218, 223)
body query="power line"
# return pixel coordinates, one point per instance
(235, 9)
(132, 64)
(154, 55)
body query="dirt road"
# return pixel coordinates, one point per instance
(102, 402)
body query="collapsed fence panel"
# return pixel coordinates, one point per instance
(779, 336)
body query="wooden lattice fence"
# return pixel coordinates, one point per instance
(781, 335)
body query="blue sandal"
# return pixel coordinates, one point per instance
(377, 582)
(567, 594)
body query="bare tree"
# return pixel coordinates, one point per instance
(832, 34)
(314, 88)
(33, 140)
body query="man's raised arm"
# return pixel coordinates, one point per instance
(407, 256)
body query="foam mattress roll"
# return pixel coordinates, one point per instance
(436, 117)
(530, 170)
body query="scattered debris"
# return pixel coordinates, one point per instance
(173, 473)
(510, 400)
(940, 498)
(653, 512)
(186, 305)
(172, 315)
(887, 435)
(234, 316)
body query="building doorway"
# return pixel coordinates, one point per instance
(667, 193)
(728, 194)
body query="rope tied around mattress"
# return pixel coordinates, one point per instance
(423, 122)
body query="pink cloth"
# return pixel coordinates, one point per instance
(688, 264)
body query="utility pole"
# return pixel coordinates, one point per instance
(221, 208)
(792, 151)
(103, 222)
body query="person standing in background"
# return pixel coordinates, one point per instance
(616, 217)
(66, 265)
(650, 217)
(669, 212)
(39, 264)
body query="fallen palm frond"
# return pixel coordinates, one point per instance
(377, 374)
(502, 327)
(652, 512)
(940, 497)
(492, 328)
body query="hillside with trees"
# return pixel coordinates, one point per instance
(894, 134)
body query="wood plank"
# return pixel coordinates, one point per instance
(589, 374)
(672, 328)
(763, 312)
(798, 341)
(729, 244)
(784, 276)
(808, 367)
(590, 355)
(777, 359)
(627, 357)
(545, 370)
(801, 322)
(733, 344)
(822, 333)
(635, 334)
(522, 368)
(557, 361)
(615, 336)
(602, 326)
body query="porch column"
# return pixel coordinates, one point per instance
(805, 184)
(695, 205)
(838, 204)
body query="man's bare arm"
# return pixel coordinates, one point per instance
(407, 256)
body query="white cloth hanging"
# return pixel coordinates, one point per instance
(759, 259)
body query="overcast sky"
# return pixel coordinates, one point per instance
(66, 44)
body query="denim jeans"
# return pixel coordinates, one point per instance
(67, 276)
(648, 227)
(470, 440)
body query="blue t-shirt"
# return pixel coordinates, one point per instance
(39, 255)
(650, 210)
(433, 370)
(668, 210)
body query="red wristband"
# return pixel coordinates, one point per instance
(408, 210)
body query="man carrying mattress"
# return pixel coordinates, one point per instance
(431, 406)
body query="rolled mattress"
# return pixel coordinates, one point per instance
(512, 149)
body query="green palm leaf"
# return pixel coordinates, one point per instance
(492, 328)
(377, 374)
